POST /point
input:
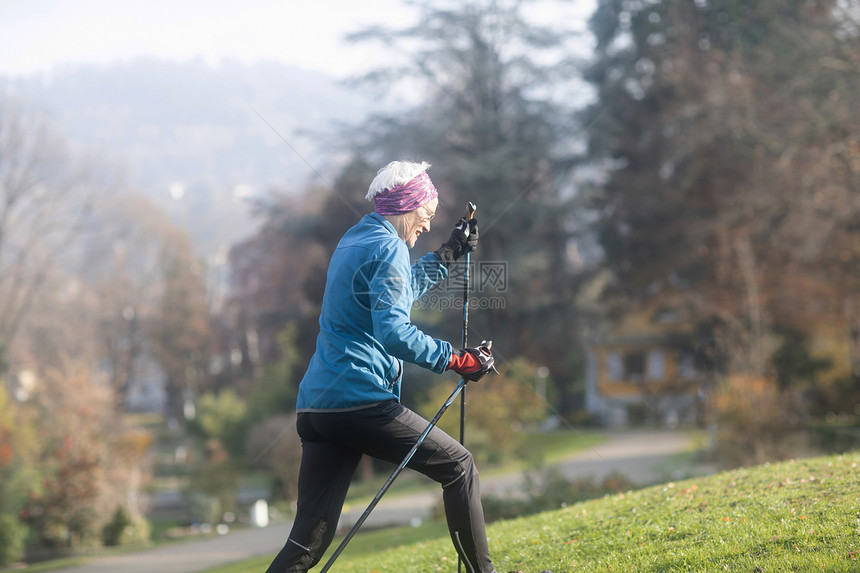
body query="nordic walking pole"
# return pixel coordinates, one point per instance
(391, 478)
(470, 214)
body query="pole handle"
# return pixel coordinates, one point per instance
(470, 211)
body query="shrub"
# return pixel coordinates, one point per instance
(217, 478)
(114, 531)
(548, 489)
(12, 534)
(758, 421)
(123, 528)
(499, 408)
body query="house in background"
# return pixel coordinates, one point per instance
(642, 369)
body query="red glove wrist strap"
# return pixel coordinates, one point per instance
(465, 363)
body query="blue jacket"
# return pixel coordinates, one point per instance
(365, 328)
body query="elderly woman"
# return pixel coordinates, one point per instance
(349, 399)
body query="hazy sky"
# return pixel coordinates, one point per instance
(39, 34)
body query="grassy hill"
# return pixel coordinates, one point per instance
(797, 516)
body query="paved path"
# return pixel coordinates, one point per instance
(636, 455)
(642, 457)
(192, 556)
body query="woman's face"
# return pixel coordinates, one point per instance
(417, 222)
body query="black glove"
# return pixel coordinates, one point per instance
(463, 239)
(473, 363)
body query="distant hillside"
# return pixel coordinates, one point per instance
(188, 133)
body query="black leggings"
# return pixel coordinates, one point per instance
(332, 445)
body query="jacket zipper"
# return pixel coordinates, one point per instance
(396, 378)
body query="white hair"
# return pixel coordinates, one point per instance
(395, 173)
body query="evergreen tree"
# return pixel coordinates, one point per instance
(730, 150)
(486, 122)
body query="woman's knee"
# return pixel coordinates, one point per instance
(461, 469)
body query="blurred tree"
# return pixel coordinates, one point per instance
(273, 314)
(61, 431)
(794, 364)
(275, 391)
(18, 452)
(278, 278)
(217, 479)
(18, 469)
(47, 193)
(68, 255)
(220, 417)
(114, 530)
(123, 269)
(12, 537)
(274, 445)
(152, 301)
(727, 135)
(7, 423)
(179, 330)
(269, 272)
(62, 509)
(76, 431)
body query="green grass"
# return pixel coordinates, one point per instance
(365, 544)
(797, 516)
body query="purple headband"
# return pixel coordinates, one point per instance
(405, 197)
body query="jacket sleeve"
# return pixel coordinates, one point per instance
(391, 298)
(426, 272)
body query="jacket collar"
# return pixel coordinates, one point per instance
(382, 221)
